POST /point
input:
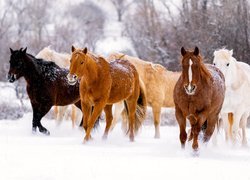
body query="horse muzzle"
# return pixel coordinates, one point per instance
(12, 77)
(190, 89)
(72, 79)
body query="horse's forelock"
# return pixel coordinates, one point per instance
(223, 54)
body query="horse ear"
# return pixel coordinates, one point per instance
(231, 52)
(73, 48)
(183, 51)
(85, 50)
(196, 51)
(11, 51)
(24, 51)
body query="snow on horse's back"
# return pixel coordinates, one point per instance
(159, 83)
(236, 106)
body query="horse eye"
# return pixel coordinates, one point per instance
(214, 64)
(227, 64)
(82, 62)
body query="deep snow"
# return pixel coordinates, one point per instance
(25, 156)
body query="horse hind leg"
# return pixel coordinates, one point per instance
(109, 118)
(243, 124)
(61, 113)
(73, 115)
(118, 110)
(131, 108)
(157, 114)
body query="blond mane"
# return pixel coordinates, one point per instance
(223, 54)
(61, 59)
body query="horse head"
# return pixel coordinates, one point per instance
(224, 60)
(17, 64)
(192, 70)
(77, 63)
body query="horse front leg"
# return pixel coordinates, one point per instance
(96, 112)
(38, 113)
(86, 110)
(182, 125)
(196, 122)
(109, 118)
(211, 123)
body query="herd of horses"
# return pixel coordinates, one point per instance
(202, 94)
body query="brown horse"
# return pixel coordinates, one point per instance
(198, 96)
(103, 84)
(159, 84)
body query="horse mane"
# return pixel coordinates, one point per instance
(61, 59)
(205, 74)
(41, 65)
(223, 53)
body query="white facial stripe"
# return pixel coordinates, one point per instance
(190, 74)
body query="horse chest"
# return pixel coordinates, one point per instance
(233, 100)
(192, 105)
(36, 94)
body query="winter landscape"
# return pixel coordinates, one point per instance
(153, 30)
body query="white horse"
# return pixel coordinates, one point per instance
(236, 106)
(62, 60)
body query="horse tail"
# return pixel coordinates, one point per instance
(140, 112)
(231, 121)
(141, 107)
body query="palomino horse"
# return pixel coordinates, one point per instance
(198, 96)
(236, 106)
(159, 84)
(61, 59)
(46, 84)
(103, 84)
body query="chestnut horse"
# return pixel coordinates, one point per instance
(159, 84)
(46, 85)
(103, 84)
(198, 96)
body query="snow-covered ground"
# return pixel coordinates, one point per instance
(25, 156)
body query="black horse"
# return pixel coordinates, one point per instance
(46, 85)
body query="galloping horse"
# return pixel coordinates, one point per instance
(198, 97)
(46, 85)
(159, 84)
(61, 59)
(103, 84)
(236, 106)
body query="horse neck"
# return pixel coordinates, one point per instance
(232, 78)
(31, 73)
(91, 70)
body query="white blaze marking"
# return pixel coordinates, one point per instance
(190, 74)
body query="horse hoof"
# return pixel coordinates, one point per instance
(182, 146)
(196, 153)
(195, 147)
(87, 139)
(33, 130)
(132, 139)
(44, 131)
(104, 137)
(157, 136)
